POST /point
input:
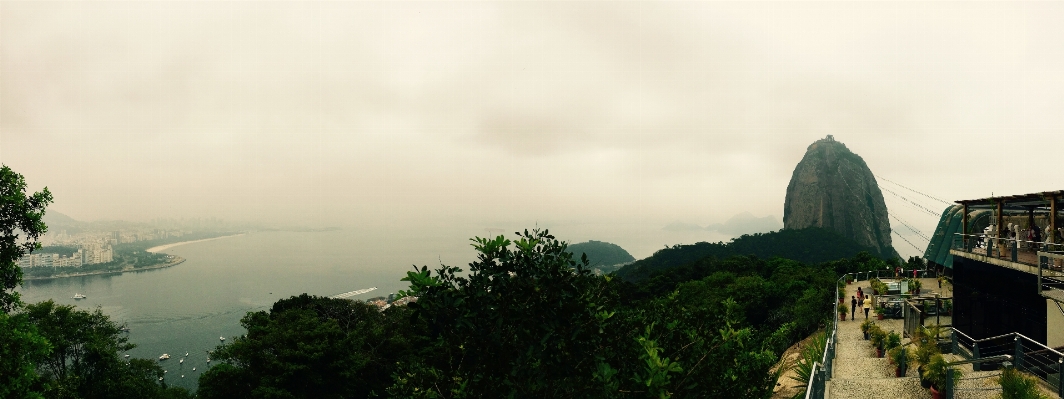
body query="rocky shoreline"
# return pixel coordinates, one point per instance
(174, 260)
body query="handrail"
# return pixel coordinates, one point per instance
(994, 237)
(1039, 343)
(993, 338)
(981, 360)
(809, 384)
(962, 333)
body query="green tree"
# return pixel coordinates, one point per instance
(526, 321)
(21, 226)
(21, 350)
(310, 347)
(85, 357)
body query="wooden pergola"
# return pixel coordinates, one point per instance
(1044, 202)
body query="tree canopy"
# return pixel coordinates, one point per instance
(21, 228)
(810, 245)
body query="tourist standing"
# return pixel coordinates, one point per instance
(867, 306)
(853, 307)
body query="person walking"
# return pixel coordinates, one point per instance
(853, 307)
(860, 295)
(867, 306)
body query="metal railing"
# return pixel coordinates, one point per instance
(1012, 249)
(951, 382)
(1028, 355)
(821, 372)
(882, 274)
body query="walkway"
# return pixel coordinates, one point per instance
(858, 374)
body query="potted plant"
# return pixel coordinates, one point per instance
(938, 372)
(1015, 384)
(892, 341)
(843, 310)
(878, 336)
(901, 357)
(914, 286)
(874, 283)
(947, 306)
(926, 348)
(866, 327)
(880, 312)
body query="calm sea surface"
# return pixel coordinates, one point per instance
(186, 308)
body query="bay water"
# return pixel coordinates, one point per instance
(187, 307)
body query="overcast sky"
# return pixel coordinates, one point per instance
(605, 120)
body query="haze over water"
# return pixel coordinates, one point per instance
(186, 308)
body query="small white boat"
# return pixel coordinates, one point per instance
(164, 357)
(127, 356)
(160, 378)
(193, 369)
(181, 361)
(182, 376)
(208, 360)
(79, 296)
(186, 354)
(221, 338)
(124, 329)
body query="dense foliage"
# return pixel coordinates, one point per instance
(810, 245)
(527, 319)
(311, 347)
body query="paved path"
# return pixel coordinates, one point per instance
(858, 374)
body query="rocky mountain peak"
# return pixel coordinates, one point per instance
(833, 188)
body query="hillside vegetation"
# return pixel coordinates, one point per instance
(809, 245)
(603, 256)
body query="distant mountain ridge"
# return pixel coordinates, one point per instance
(742, 223)
(833, 188)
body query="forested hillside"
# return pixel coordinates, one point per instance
(601, 255)
(810, 245)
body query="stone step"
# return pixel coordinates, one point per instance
(868, 388)
(854, 349)
(868, 367)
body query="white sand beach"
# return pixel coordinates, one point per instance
(168, 246)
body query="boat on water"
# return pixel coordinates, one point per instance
(221, 338)
(79, 296)
(164, 357)
(181, 361)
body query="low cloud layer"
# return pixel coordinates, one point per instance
(598, 114)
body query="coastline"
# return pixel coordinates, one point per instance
(174, 260)
(164, 247)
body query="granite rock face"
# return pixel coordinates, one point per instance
(833, 188)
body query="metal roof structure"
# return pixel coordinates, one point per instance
(1025, 202)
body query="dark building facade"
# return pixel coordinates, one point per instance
(991, 300)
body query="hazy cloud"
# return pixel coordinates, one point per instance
(606, 120)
